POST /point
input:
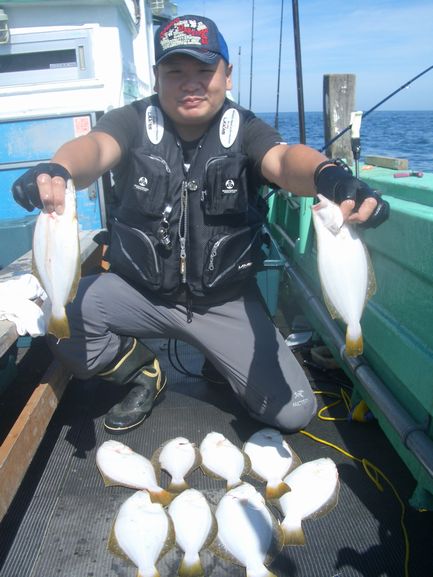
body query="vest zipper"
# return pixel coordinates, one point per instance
(183, 227)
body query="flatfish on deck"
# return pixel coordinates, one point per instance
(248, 534)
(314, 491)
(142, 532)
(271, 459)
(120, 465)
(223, 460)
(195, 527)
(178, 457)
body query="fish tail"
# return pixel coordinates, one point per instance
(293, 535)
(273, 492)
(162, 496)
(177, 486)
(354, 341)
(262, 572)
(153, 573)
(58, 325)
(192, 568)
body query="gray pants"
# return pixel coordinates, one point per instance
(238, 337)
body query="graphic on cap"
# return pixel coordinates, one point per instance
(196, 36)
(184, 33)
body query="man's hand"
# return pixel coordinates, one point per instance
(42, 186)
(358, 202)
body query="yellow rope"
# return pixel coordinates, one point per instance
(373, 472)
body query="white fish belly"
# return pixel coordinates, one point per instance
(269, 461)
(312, 484)
(119, 463)
(244, 530)
(343, 270)
(141, 530)
(177, 459)
(56, 254)
(192, 520)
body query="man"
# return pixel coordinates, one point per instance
(186, 231)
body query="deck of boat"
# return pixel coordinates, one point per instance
(61, 518)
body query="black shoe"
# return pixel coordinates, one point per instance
(149, 381)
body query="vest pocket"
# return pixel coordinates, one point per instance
(151, 184)
(226, 190)
(133, 254)
(232, 257)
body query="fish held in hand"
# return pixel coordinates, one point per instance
(195, 528)
(56, 260)
(248, 534)
(120, 465)
(223, 460)
(271, 459)
(314, 492)
(142, 532)
(345, 270)
(178, 457)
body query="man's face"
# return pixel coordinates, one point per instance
(191, 92)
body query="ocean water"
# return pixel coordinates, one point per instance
(400, 134)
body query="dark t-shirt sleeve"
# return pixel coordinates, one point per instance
(122, 124)
(259, 137)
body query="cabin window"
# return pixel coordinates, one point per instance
(41, 57)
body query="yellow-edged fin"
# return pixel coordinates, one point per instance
(233, 485)
(177, 487)
(59, 327)
(170, 539)
(163, 497)
(108, 482)
(210, 473)
(329, 505)
(190, 570)
(213, 532)
(277, 542)
(114, 547)
(371, 283)
(328, 303)
(276, 491)
(293, 536)
(77, 278)
(218, 549)
(354, 347)
(156, 464)
(247, 464)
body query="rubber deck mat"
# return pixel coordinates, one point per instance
(60, 520)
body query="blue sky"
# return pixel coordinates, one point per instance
(384, 43)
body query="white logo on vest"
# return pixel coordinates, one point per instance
(230, 187)
(229, 127)
(142, 184)
(154, 124)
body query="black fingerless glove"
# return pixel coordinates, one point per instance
(336, 182)
(25, 188)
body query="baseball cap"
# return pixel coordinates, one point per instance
(196, 36)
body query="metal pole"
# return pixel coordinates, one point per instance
(279, 66)
(239, 75)
(252, 47)
(301, 112)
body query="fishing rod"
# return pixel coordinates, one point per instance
(279, 68)
(328, 144)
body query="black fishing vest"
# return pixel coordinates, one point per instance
(195, 232)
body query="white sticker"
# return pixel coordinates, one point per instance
(229, 127)
(154, 124)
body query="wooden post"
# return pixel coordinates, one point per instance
(338, 103)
